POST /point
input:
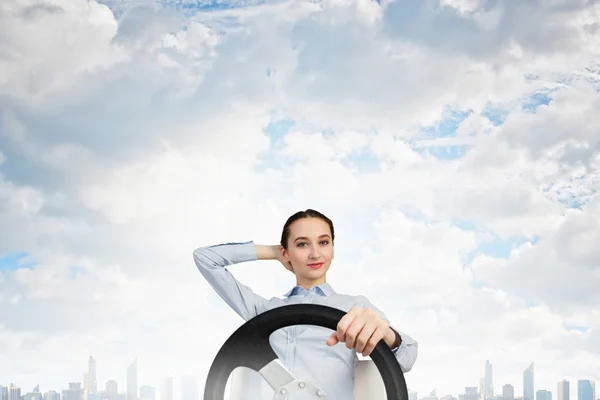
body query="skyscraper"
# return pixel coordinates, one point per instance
(14, 392)
(92, 382)
(528, 383)
(586, 390)
(112, 389)
(486, 383)
(132, 381)
(564, 390)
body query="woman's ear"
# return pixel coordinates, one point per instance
(285, 259)
(283, 252)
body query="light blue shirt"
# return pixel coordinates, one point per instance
(301, 348)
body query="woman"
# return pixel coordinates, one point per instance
(306, 249)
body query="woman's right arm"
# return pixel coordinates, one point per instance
(212, 262)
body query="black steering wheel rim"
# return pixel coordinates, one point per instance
(249, 347)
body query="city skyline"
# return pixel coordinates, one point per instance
(112, 389)
(584, 389)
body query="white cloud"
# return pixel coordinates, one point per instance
(21, 201)
(560, 270)
(131, 135)
(51, 50)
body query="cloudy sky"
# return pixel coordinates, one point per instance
(455, 144)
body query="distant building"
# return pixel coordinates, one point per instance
(147, 393)
(33, 395)
(51, 395)
(92, 381)
(74, 392)
(432, 396)
(563, 390)
(586, 390)
(508, 392)
(471, 393)
(543, 395)
(14, 392)
(112, 391)
(528, 383)
(132, 381)
(486, 382)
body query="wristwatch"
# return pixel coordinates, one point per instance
(397, 341)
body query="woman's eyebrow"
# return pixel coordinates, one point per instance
(305, 238)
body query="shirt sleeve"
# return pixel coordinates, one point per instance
(407, 352)
(212, 262)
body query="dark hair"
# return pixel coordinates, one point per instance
(285, 234)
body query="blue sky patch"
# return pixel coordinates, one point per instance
(14, 261)
(568, 196)
(75, 271)
(465, 225)
(448, 153)
(364, 160)
(496, 115)
(186, 8)
(536, 100)
(444, 129)
(210, 5)
(276, 131)
(447, 127)
(578, 328)
(496, 247)
(441, 152)
(414, 214)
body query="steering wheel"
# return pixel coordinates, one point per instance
(249, 347)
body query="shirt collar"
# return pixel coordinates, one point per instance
(323, 289)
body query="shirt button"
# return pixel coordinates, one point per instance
(291, 340)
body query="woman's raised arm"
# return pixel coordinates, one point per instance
(212, 262)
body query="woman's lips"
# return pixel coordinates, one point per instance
(315, 265)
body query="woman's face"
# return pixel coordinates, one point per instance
(309, 250)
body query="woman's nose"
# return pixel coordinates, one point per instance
(314, 252)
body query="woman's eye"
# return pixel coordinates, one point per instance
(322, 242)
